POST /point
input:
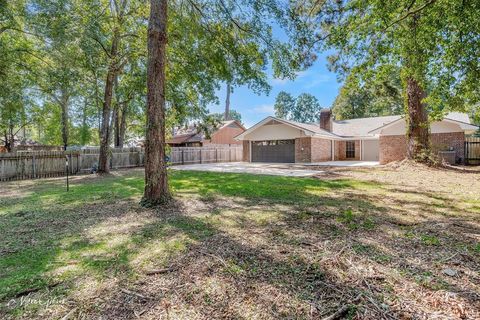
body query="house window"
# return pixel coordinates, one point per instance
(350, 149)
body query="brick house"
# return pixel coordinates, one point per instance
(379, 139)
(225, 134)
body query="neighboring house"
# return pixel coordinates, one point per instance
(224, 135)
(369, 139)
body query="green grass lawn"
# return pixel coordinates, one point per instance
(295, 237)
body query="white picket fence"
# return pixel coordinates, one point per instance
(22, 165)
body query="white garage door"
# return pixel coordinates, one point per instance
(371, 149)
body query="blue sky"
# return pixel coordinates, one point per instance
(316, 80)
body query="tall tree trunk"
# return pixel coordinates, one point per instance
(418, 133)
(8, 144)
(227, 102)
(103, 159)
(97, 107)
(84, 131)
(116, 114)
(64, 106)
(113, 126)
(156, 182)
(123, 126)
(418, 128)
(116, 126)
(9, 138)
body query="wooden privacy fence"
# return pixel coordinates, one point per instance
(37, 164)
(472, 150)
(206, 154)
(43, 164)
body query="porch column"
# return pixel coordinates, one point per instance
(361, 150)
(250, 151)
(333, 150)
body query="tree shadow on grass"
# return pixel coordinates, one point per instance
(223, 277)
(256, 268)
(72, 244)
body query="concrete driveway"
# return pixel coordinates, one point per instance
(345, 164)
(287, 170)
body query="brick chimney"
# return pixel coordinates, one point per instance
(326, 119)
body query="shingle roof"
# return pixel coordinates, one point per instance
(229, 122)
(312, 127)
(458, 116)
(344, 129)
(183, 138)
(461, 118)
(361, 126)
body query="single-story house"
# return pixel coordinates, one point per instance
(224, 135)
(368, 139)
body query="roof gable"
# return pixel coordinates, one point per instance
(308, 128)
(231, 124)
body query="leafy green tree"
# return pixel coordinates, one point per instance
(117, 34)
(129, 100)
(284, 105)
(307, 109)
(16, 66)
(304, 108)
(233, 115)
(435, 43)
(12, 17)
(58, 56)
(475, 116)
(209, 124)
(379, 94)
(224, 42)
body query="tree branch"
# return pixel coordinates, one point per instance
(410, 13)
(101, 45)
(6, 28)
(235, 22)
(21, 127)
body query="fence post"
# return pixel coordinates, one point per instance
(200, 150)
(216, 155)
(3, 169)
(24, 168)
(80, 160)
(467, 152)
(33, 166)
(183, 159)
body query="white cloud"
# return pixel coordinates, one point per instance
(264, 108)
(302, 74)
(318, 80)
(278, 81)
